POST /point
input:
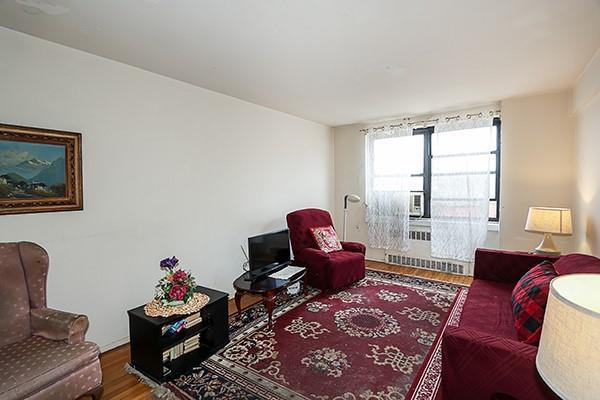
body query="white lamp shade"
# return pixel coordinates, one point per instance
(353, 198)
(568, 358)
(549, 220)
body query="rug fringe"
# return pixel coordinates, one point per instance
(158, 391)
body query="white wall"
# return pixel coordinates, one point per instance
(586, 103)
(349, 144)
(536, 169)
(169, 169)
(538, 165)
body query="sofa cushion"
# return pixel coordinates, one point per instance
(73, 386)
(488, 308)
(30, 365)
(529, 298)
(576, 264)
(326, 238)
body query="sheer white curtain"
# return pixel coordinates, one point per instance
(460, 184)
(390, 155)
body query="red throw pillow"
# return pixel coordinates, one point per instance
(326, 238)
(529, 298)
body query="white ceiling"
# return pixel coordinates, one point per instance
(334, 61)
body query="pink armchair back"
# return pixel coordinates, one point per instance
(24, 269)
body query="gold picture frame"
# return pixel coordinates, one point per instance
(40, 170)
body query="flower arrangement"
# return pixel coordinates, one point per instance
(177, 286)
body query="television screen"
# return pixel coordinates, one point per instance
(269, 248)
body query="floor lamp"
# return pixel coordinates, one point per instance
(352, 198)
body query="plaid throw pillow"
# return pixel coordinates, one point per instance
(529, 298)
(326, 238)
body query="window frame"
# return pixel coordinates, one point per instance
(427, 157)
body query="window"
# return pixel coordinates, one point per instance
(396, 157)
(454, 150)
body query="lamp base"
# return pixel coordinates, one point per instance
(547, 246)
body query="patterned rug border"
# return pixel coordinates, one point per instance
(259, 390)
(427, 381)
(240, 329)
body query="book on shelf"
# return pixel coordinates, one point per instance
(173, 352)
(192, 339)
(179, 325)
(191, 344)
(191, 348)
(192, 320)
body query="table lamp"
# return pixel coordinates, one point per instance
(353, 198)
(568, 357)
(549, 221)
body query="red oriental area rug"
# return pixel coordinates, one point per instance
(377, 339)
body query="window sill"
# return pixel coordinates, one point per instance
(425, 222)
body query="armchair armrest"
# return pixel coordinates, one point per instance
(505, 266)
(354, 247)
(58, 325)
(477, 365)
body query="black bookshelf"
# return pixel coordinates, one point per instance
(148, 343)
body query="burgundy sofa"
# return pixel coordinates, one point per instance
(482, 358)
(43, 355)
(326, 271)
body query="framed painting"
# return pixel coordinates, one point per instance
(40, 170)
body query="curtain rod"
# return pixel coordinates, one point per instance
(428, 121)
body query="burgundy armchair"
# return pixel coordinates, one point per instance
(483, 358)
(326, 271)
(43, 354)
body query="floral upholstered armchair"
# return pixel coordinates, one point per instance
(43, 354)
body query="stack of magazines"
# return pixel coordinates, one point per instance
(192, 320)
(191, 344)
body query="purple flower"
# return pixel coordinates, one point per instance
(169, 263)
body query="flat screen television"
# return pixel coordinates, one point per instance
(268, 250)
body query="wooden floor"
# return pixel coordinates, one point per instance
(119, 385)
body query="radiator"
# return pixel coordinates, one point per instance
(419, 235)
(426, 263)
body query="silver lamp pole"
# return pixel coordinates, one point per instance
(348, 198)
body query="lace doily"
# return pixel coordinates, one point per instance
(156, 309)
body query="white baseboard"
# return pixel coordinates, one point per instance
(375, 260)
(112, 345)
